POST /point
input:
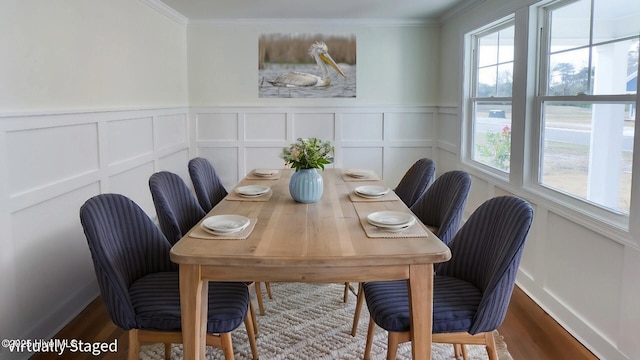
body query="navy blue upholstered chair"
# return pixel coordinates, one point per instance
(206, 183)
(416, 181)
(210, 192)
(140, 285)
(440, 208)
(177, 209)
(412, 185)
(471, 292)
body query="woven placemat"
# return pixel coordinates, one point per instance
(390, 196)
(372, 177)
(200, 233)
(233, 196)
(253, 176)
(416, 230)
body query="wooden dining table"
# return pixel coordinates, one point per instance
(326, 241)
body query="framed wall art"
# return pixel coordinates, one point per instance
(306, 66)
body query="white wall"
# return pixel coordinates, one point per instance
(93, 98)
(584, 273)
(88, 54)
(397, 63)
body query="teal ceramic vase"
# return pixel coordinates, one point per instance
(306, 186)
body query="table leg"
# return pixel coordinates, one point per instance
(193, 307)
(421, 309)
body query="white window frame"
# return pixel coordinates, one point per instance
(577, 204)
(471, 61)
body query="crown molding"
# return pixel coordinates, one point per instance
(167, 11)
(460, 9)
(306, 21)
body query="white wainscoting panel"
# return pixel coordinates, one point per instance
(387, 140)
(55, 263)
(585, 276)
(217, 126)
(256, 131)
(320, 125)
(129, 138)
(409, 126)
(50, 165)
(172, 130)
(363, 127)
(364, 158)
(42, 156)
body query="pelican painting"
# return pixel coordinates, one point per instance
(299, 65)
(320, 53)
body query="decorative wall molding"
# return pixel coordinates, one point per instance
(50, 164)
(385, 139)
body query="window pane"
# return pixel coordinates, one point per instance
(505, 50)
(486, 86)
(488, 50)
(588, 151)
(569, 73)
(615, 68)
(571, 26)
(495, 63)
(505, 79)
(492, 134)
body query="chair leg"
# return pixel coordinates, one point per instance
(392, 348)
(457, 351)
(356, 314)
(370, 332)
(259, 297)
(248, 324)
(491, 345)
(167, 351)
(227, 346)
(267, 285)
(252, 310)
(345, 296)
(134, 345)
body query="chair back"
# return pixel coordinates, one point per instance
(206, 183)
(415, 181)
(486, 252)
(177, 209)
(125, 245)
(442, 205)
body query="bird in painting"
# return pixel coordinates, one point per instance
(320, 53)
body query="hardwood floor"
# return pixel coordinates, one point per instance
(529, 332)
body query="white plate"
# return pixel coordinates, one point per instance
(252, 190)
(391, 220)
(358, 173)
(371, 190)
(225, 224)
(264, 172)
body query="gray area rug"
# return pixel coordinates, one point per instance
(309, 321)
